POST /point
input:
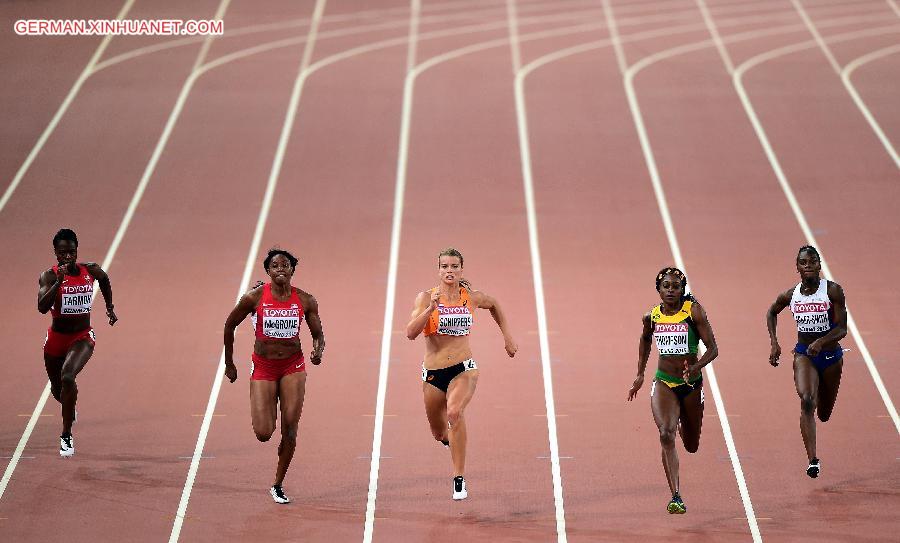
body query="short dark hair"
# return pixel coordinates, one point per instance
(809, 249)
(450, 251)
(275, 251)
(65, 234)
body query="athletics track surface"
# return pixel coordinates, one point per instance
(306, 125)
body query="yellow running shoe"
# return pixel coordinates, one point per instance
(676, 506)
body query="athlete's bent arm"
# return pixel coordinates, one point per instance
(425, 304)
(483, 301)
(105, 287)
(777, 307)
(49, 283)
(643, 356)
(705, 331)
(839, 328)
(245, 306)
(314, 322)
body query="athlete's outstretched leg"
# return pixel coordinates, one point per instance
(436, 411)
(459, 394)
(806, 379)
(291, 392)
(76, 359)
(666, 411)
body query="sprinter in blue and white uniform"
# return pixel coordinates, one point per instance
(820, 312)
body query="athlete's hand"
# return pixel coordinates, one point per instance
(257, 285)
(635, 386)
(688, 371)
(316, 356)
(511, 347)
(814, 348)
(112, 316)
(231, 371)
(435, 299)
(775, 355)
(61, 273)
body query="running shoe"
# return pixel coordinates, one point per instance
(459, 488)
(278, 494)
(66, 445)
(676, 506)
(813, 469)
(446, 443)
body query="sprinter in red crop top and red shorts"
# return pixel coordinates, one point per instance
(449, 372)
(278, 369)
(67, 292)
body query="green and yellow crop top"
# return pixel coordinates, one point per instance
(676, 334)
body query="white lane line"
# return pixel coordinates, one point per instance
(284, 138)
(629, 74)
(846, 75)
(107, 263)
(45, 135)
(737, 79)
(538, 277)
(393, 259)
(894, 7)
(873, 124)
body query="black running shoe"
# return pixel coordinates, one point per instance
(278, 494)
(459, 488)
(66, 445)
(813, 469)
(446, 443)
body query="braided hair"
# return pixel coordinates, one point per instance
(685, 295)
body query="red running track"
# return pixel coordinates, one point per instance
(451, 133)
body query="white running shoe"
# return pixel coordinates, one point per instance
(66, 446)
(278, 494)
(459, 488)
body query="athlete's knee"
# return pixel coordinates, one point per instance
(56, 391)
(264, 434)
(807, 403)
(67, 380)
(289, 433)
(454, 415)
(692, 445)
(667, 437)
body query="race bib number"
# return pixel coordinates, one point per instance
(812, 317)
(281, 323)
(76, 299)
(671, 338)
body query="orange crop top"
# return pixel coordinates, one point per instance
(450, 320)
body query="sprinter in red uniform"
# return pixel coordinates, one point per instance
(67, 292)
(278, 369)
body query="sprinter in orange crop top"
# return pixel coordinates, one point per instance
(676, 326)
(449, 373)
(277, 370)
(67, 292)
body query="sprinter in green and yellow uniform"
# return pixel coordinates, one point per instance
(676, 396)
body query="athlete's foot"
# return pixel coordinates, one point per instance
(66, 445)
(278, 494)
(676, 506)
(459, 488)
(813, 469)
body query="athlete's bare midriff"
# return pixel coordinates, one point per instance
(277, 349)
(445, 351)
